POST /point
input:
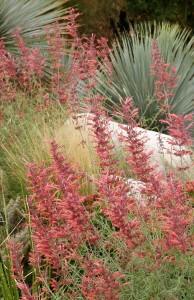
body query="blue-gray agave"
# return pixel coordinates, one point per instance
(31, 17)
(131, 61)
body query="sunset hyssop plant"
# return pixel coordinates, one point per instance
(99, 244)
(61, 225)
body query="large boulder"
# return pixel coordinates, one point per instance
(136, 188)
(158, 143)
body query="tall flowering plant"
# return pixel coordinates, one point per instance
(64, 236)
(30, 63)
(95, 252)
(165, 78)
(8, 70)
(112, 189)
(60, 226)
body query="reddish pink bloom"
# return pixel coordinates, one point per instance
(17, 269)
(135, 143)
(165, 78)
(72, 26)
(179, 127)
(56, 54)
(189, 186)
(99, 283)
(99, 122)
(60, 223)
(138, 158)
(87, 56)
(7, 74)
(174, 211)
(112, 189)
(31, 63)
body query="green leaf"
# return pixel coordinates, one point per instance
(8, 289)
(31, 17)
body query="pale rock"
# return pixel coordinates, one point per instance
(158, 144)
(136, 188)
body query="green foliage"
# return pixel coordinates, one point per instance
(170, 281)
(23, 139)
(139, 10)
(173, 11)
(131, 61)
(96, 15)
(8, 290)
(159, 10)
(31, 17)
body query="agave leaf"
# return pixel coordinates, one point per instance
(131, 61)
(31, 17)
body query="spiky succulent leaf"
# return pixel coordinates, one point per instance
(31, 17)
(131, 61)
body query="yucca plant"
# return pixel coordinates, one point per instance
(31, 17)
(131, 68)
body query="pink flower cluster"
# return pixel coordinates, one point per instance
(99, 283)
(135, 143)
(171, 204)
(59, 221)
(7, 74)
(112, 189)
(179, 128)
(15, 250)
(31, 64)
(85, 56)
(175, 212)
(62, 229)
(165, 78)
